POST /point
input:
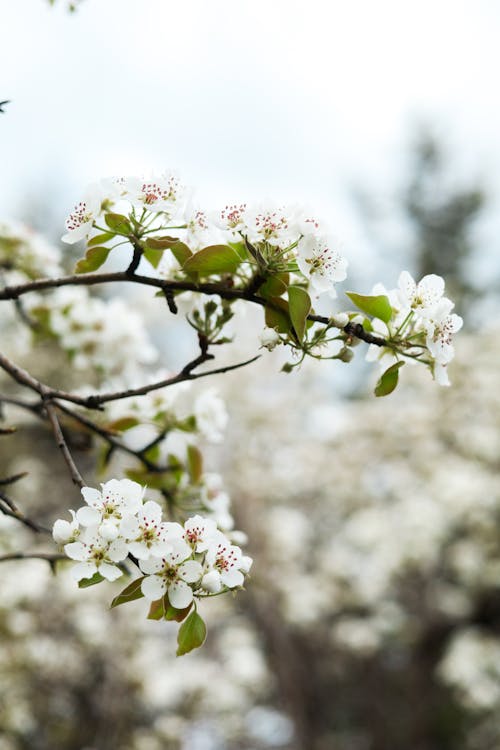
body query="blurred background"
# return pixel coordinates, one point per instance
(372, 620)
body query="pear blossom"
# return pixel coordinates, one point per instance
(211, 415)
(269, 338)
(145, 533)
(227, 561)
(440, 330)
(277, 226)
(158, 194)
(95, 554)
(171, 575)
(321, 264)
(118, 499)
(81, 220)
(201, 533)
(216, 500)
(200, 231)
(422, 297)
(232, 218)
(64, 532)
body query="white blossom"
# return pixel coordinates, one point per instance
(171, 575)
(200, 532)
(422, 297)
(226, 561)
(322, 265)
(145, 533)
(95, 554)
(211, 415)
(118, 499)
(269, 338)
(440, 330)
(64, 532)
(81, 220)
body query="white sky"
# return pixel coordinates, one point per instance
(245, 98)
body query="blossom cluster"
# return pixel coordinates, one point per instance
(285, 237)
(180, 561)
(424, 316)
(95, 333)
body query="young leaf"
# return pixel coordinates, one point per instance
(300, 307)
(192, 634)
(118, 223)
(86, 582)
(156, 610)
(129, 594)
(94, 258)
(388, 380)
(122, 424)
(274, 286)
(213, 259)
(171, 613)
(99, 238)
(161, 243)
(153, 255)
(181, 252)
(239, 247)
(195, 463)
(277, 316)
(377, 306)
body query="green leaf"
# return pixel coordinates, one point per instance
(129, 594)
(213, 259)
(274, 286)
(86, 582)
(377, 306)
(277, 316)
(388, 380)
(153, 256)
(94, 258)
(300, 307)
(191, 635)
(118, 223)
(195, 463)
(181, 252)
(240, 248)
(156, 610)
(122, 424)
(99, 238)
(172, 614)
(161, 243)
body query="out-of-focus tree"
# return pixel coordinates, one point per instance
(442, 216)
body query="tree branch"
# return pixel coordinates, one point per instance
(63, 446)
(208, 288)
(48, 556)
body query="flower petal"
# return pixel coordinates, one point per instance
(180, 594)
(153, 587)
(110, 572)
(190, 571)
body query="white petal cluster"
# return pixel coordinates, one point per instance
(97, 333)
(183, 561)
(420, 308)
(27, 252)
(321, 264)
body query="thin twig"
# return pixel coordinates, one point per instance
(63, 446)
(208, 288)
(48, 556)
(8, 508)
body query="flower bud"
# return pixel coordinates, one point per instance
(340, 320)
(108, 531)
(211, 582)
(269, 338)
(345, 354)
